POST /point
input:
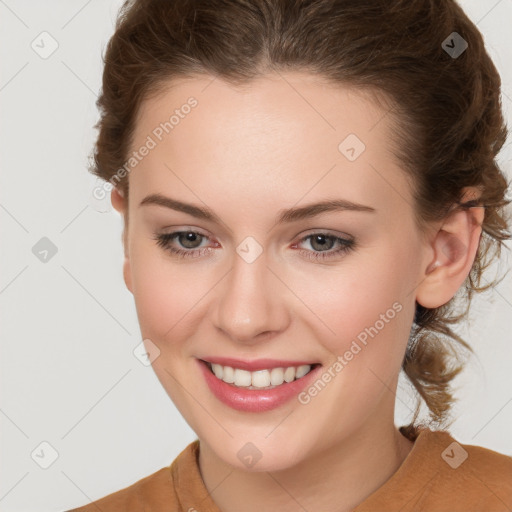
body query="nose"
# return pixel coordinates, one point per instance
(251, 302)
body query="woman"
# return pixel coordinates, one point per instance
(305, 187)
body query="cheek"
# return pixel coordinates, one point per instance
(366, 310)
(167, 296)
(371, 321)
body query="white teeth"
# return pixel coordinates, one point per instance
(242, 377)
(260, 378)
(302, 370)
(276, 376)
(228, 374)
(217, 369)
(289, 374)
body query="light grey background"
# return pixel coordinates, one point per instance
(69, 326)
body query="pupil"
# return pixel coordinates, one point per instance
(321, 240)
(189, 237)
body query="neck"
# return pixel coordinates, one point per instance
(336, 479)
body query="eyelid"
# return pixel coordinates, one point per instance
(184, 229)
(328, 232)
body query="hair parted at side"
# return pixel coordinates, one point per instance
(448, 130)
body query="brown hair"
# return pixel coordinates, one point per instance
(449, 124)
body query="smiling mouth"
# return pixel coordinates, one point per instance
(260, 379)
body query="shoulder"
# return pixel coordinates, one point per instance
(441, 474)
(156, 492)
(463, 476)
(148, 491)
(471, 460)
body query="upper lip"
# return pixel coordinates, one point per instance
(255, 364)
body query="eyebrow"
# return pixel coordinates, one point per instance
(285, 216)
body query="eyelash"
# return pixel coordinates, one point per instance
(163, 240)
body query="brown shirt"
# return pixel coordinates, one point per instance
(438, 475)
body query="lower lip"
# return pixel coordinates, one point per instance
(253, 400)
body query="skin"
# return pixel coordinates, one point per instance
(247, 154)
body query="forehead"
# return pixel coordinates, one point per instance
(281, 132)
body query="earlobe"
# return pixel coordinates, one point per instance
(118, 200)
(119, 203)
(454, 246)
(127, 275)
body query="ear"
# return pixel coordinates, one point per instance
(454, 246)
(120, 203)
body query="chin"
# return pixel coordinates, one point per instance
(258, 456)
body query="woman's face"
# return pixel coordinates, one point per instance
(334, 287)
